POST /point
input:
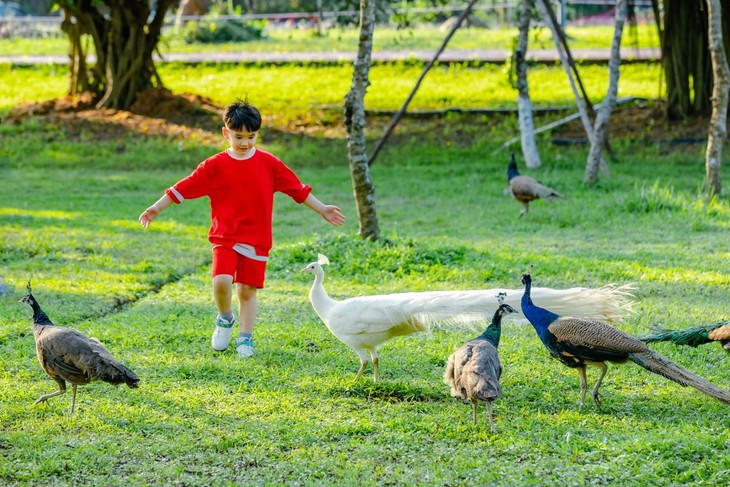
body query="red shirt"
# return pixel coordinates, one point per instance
(241, 196)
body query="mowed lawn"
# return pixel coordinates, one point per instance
(293, 415)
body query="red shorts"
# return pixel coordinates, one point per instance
(244, 270)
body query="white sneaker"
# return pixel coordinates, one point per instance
(222, 334)
(244, 347)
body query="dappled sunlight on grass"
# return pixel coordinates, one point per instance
(43, 214)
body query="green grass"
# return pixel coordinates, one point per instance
(290, 92)
(345, 39)
(292, 415)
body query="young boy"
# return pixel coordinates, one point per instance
(240, 182)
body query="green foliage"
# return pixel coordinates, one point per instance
(221, 31)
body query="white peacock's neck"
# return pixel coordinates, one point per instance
(321, 302)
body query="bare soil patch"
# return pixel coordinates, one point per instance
(159, 113)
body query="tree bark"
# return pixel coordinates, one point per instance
(524, 104)
(579, 101)
(354, 114)
(718, 121)
(604, 111)
(123, 40)
(686, 59)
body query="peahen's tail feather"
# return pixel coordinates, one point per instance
(661, 365)
(693, 337)
(455, 309)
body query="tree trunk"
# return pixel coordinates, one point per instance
(582, 108)
(524, 105)
(604, 111)
(718, 122)
(354, 113)
(123, 40)
(686, 59)
(429, 65)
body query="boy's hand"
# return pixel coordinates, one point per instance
(148, 215)
(332, 214)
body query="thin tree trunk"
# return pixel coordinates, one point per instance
(582, 109)
(396, 118)
(524, 105)
(354, 113)
(604, 112)
(718, 122)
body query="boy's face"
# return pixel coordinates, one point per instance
(242, 142)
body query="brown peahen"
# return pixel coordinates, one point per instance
(473, 371)
(715, 332)
(525, 189)
(578, 343)
(67, 355)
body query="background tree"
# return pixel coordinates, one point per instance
(354, 114)
(123, 34)
(524, 104)
(721, 76)
(603, 113)
(686, 59)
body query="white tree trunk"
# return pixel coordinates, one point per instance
(718, 121)
(582, 109)
(604, 111)
(524, 105)
(355, 123)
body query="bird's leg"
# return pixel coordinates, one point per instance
(46, 397)
(376, 362)
(604, 369)
(363, 364)
(583, 385)
(73, 400)
(527, 207)
(474, 410)
(491, 417)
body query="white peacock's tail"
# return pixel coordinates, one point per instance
(467, 309)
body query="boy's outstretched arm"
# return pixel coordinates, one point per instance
(331, 213)
(151, 213)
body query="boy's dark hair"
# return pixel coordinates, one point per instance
(241, 114)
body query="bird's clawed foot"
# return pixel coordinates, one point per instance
(597, 400)
(46, 397)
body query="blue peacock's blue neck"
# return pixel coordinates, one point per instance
(540, 318)
(512, 171)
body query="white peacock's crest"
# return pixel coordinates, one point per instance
(322, 259)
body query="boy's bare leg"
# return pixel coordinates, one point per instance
(247, 307)
(222, 284)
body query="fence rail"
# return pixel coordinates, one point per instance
(50, 26)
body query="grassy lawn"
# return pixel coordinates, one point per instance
(292, 415)
(292, 91)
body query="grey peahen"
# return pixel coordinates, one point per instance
(473, 371)
(525, 189)
(68, 355)
(581, 342)
(715, 332)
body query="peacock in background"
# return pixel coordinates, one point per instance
(525, 189)
(715, 332)
(364, 323)
(473, 371)
(579, 342)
